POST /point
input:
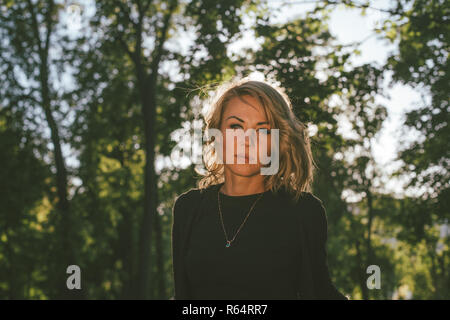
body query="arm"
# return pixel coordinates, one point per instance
(179, 276)
(324, 287)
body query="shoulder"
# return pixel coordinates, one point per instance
(180, 210)
(306, 202)
(306, 199)
(310, 201)
(185, 199)
(312, 209)
(185, 203)
(189, 197)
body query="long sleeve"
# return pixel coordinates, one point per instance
(324, 287)
(179, 275)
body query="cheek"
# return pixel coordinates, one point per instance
(228, 144)
(265, 146)
(224, 139)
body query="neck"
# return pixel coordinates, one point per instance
(241, 186)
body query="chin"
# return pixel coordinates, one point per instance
(245, 170)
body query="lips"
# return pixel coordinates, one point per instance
(246, 158)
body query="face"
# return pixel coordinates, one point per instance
(237, 118)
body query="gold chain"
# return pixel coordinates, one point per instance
(221, 218)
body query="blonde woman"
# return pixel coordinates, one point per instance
(243, 234)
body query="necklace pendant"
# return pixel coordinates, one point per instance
(228, 244)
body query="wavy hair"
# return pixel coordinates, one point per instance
(296, 163)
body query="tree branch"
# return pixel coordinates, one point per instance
(143, 9)
(124, 45)
(348, 3)
(164, 33)
(125, 10)
(48, 21)
(35, 25)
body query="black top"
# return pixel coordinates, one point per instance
(262, 261)
(280, 251)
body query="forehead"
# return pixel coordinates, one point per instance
(249, 108)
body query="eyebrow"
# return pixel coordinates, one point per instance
(259, 123)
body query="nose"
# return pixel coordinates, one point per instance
(251, 139)
(250, 143)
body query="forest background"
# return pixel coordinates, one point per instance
(96, 97)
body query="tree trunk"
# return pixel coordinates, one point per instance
(148, 98)
(370, 257)
(160, 274)
(126, 252)
(66, 253)
(362, 273)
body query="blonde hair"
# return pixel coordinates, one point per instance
(296, 164)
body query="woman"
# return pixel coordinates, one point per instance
(243, 234)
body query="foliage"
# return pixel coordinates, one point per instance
(89, 120)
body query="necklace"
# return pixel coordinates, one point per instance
(221, 218)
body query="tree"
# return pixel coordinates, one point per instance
(29, 70)
(422, 32)
(422, 62)
(124, 29)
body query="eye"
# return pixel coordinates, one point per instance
(265, 131)
(235, 126)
